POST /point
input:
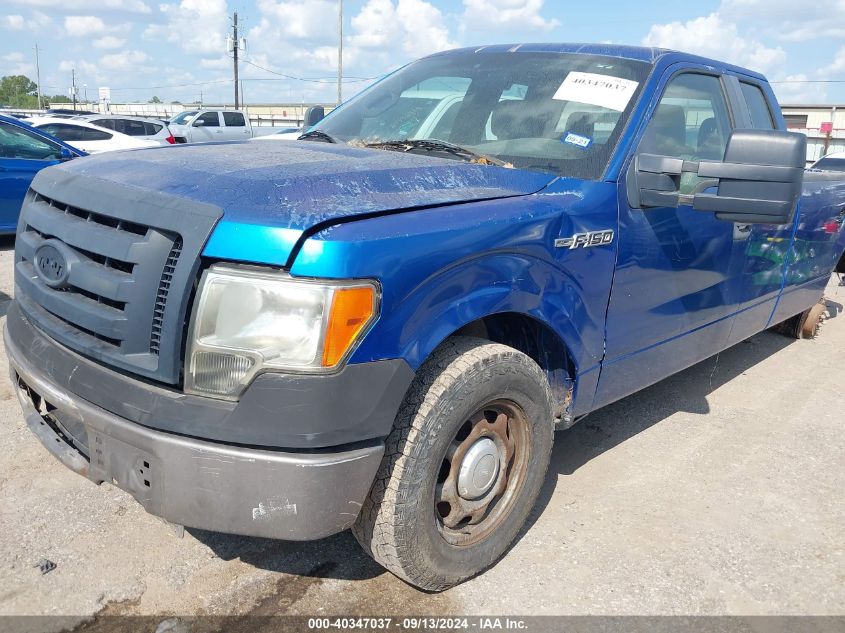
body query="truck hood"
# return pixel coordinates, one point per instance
(272, 192)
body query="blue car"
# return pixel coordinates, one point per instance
(24, 151)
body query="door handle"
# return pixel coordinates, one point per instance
(741, 232)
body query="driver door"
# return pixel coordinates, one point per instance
(209, 130)
(677, 276)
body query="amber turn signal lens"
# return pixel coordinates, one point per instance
(352, 310)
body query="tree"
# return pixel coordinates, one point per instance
(18, 91)
(154, 100)
(58, 99)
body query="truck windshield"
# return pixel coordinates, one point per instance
(180, 118)
(831, 163)
(554, 112)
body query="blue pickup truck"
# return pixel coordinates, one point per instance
(380, 326)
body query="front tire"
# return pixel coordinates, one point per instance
(463, 465)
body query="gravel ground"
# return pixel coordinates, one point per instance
(718, 491)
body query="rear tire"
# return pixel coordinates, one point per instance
(805, 325)
(421, 520)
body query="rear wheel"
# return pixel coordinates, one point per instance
(805, 325)
(463, 465)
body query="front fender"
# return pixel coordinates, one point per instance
(442, 268)
(484, 285)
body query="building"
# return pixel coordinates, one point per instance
(824, 126)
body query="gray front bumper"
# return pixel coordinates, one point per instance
(284, 495)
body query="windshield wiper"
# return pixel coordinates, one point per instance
(317, 135)
(433, 145)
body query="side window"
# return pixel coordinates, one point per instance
(16, 142)
(106, 123)
(209, 119)
(233, 119)
(758, 107)
(64, 132)
(152, 129)
(87, 134)
(690, 122)
(133, 127)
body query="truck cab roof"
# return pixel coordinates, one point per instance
(647, 54)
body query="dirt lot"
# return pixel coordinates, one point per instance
(718, 491)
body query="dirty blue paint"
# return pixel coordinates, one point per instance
(294, 185)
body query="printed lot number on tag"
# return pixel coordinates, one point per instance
(604, 91)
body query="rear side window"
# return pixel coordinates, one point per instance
(209, 119)
(67, 132)
(758, 107)
(131, 127)
(152, 128)
(88, 134)
(234, 119)
(107, 123)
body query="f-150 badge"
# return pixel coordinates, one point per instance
(585, 240)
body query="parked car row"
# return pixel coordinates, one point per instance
(89, 137)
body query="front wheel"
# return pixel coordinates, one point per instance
(463, 465)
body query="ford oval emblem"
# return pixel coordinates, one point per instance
(51, 265)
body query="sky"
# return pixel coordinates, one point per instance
(177, 50)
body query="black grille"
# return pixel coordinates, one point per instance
(118, 265)
(161, 296)
(112, 260)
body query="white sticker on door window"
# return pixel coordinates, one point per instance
(604, 91)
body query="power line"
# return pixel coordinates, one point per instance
(198, 83)
(316, 80)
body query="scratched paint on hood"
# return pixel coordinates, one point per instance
(272, 191)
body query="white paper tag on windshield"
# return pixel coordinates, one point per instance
(604, 91)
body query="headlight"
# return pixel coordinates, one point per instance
(248, 320)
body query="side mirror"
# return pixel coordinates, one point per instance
(198, 123)
(313, 116)
(759, 181)
(65, 154)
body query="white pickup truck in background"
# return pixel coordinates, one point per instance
(206, 125)
(203, 126)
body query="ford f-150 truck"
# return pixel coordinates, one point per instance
(380, 328)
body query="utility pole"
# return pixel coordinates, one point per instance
(235, 43)
(234, 46)
(38, 75)
(73, 88)
(339, 51)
